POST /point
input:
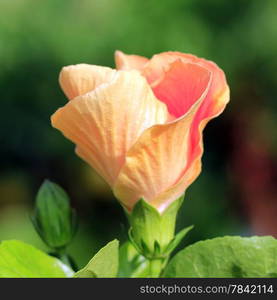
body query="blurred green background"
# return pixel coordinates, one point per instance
(236, 192)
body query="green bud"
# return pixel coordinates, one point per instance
(153, 233)
(53, 218)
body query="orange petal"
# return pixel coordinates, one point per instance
(129, 62)
(106, 122)
(159, 158)
(77, 80)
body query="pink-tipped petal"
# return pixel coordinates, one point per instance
(77, 80)
(105, 123)
(157, 66)
(129, 62)
(159, 159)
(215, 102)
(181, 86)
(195, 153)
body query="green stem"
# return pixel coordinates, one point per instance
(155, 267)
(65, 259)
(61, 254)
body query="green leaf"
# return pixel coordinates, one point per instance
(20, 260)
(104, 263)
(230, 256)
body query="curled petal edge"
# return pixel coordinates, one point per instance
(77, 80)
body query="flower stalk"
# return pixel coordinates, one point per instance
(155, 267)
